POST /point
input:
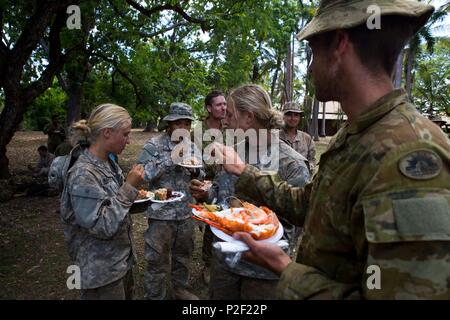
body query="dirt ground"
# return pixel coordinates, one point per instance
(33, 256)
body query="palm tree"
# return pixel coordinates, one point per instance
(414, 47)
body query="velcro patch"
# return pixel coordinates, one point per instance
(422, 216)
(420, 165)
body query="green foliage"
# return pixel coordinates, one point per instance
(431, 89)
(44, 107)
(144, 63)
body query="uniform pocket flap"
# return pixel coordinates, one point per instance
(88, 192)
(392, 219)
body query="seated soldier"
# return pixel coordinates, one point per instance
(44, 162)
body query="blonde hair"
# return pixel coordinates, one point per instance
(103, 116)
(253, 98)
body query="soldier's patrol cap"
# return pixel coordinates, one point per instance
(179, 110)
(345, 14)
(291, 107)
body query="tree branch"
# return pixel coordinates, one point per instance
(61, 79)
(136, 92)
(124, 17)
(148, 12)
(164, 30)
(55, 57)
(123, 74)
(34, 31)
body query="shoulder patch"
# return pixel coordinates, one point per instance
(420, 165)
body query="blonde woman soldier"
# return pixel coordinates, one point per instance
(249, 108)
(95, 205)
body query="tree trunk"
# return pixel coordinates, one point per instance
(11, 117)
(275, 79)
(306, 119)
(255, 72)
(151, 126)
(315, 116)
(322, 128)
(430, 110)
(397, 77)
(408, 72)
(288, 80)
(73, 107)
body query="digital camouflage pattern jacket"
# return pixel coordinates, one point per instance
(97, 226)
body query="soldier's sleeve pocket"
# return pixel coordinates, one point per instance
(392, 218)
(87, 201)
(149, 152)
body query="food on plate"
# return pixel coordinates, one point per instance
(143, 194)
(163, 194)
(260, 222)
(211, 207)
(191, 162)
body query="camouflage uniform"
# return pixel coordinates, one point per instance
(44, 164)
(63, 149)
(59, 167)
(381, 197)
(56, 136)
(169, 239)
(97, 226)
(246, 280)
(304, 144)
(210, 171)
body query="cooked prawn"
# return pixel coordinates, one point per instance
(261, 222)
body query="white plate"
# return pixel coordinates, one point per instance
(146, 199)
(178, 196)
(191, 166)
(225, 237)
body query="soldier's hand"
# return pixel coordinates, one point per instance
(268, 255)
(136, 175)
(229, 158)
(197, 190)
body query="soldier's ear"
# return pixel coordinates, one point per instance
(249, 118)
(107, 133)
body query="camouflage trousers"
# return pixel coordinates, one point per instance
(52, 145)
(225, 285)
(168, 252)
(121, 289)
(208, 237)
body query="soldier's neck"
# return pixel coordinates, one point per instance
(98, 151)
(362, 93)
(214, 123)
(291, 132)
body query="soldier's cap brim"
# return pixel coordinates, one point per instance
(343, 16)
(175, 117)
(295, 111)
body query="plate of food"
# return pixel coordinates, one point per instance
(260, 222)
(165, 195)
(191, 163)
(142, 201)
(144, 196)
